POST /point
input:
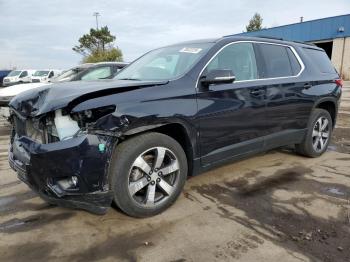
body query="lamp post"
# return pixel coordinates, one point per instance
(96, 14)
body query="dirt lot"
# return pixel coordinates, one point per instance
(272, 207)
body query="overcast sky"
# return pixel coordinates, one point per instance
(40, 34)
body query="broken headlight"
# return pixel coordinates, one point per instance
(87, 118)
(65, 126)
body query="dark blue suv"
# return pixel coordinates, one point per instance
(174, 112)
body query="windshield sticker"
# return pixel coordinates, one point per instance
(191, 50)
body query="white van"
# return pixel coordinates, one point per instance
(18, 77)
(44, 76)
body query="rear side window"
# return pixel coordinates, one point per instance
(320, 60)
(278, 61)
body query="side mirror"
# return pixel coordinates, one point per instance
(218, 76)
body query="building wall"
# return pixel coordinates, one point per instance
(309, 31)
(341, 56)
(346, 61)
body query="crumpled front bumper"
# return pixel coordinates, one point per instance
(41, 166)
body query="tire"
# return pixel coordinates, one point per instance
(307, 146)
(132, 187)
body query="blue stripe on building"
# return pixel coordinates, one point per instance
(315, 30)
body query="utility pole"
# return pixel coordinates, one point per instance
(96, 14)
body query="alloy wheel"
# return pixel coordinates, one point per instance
(153, 176)
(320, 134)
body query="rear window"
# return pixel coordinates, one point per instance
(279, 61)
(320, 60)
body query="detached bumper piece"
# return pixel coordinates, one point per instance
(71, 173)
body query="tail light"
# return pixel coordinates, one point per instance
(339, 82)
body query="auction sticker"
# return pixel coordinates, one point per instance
(191, 50)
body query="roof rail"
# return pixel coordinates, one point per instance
(270, 37)
(305, 43)
(261, 36)
(277, 38)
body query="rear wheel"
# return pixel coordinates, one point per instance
(318, 135)
(147, 174)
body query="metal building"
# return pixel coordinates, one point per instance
(331, 33)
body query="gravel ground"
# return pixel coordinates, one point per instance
(275, 206)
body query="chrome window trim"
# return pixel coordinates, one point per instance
(300, 61)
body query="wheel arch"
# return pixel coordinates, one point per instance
(176, 130)
(330, 105)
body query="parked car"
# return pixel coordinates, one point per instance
(3, 73)
(103, 70)
(174, 112)
(44, 76)
(18, 77)
(90, 71)
(69, 74)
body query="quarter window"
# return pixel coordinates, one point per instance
(321, 60)
(278, 61)
(240, 58)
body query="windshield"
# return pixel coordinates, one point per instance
(165, 63)
(14, 73)
(68, 75)
(41, 73)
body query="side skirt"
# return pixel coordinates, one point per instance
(280, 139)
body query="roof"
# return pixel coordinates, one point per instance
(314, 30)
(111, 63)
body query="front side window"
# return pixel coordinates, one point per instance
(98, 73)
(24, 74)
(240, 58)
(276, 61)
(165, 63)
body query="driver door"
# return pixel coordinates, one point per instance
(232, 116)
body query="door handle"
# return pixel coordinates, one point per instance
(257, 92)
(307, 86)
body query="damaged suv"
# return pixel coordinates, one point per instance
(174, 112)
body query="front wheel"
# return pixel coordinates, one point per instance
(147, 174)
(318, 134)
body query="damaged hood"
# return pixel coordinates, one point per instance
(49, 98)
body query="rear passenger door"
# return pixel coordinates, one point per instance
(287, 109)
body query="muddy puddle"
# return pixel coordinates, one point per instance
(300, 231)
